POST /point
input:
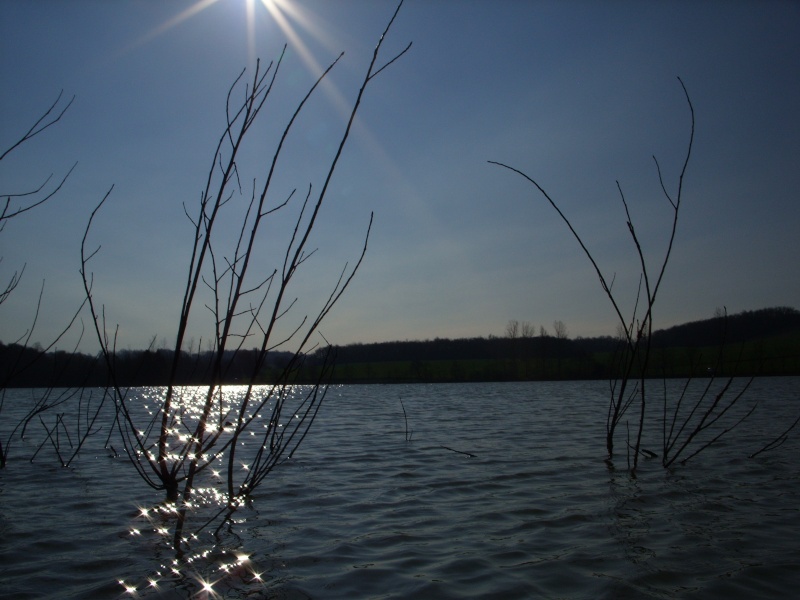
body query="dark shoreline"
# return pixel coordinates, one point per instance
(753, 343)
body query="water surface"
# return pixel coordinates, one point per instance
(501, 492)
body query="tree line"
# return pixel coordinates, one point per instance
(772, 336)
(22, 366)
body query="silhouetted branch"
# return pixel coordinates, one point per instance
(469, 454)
(188, 432)
(777, 441)
(41, 124)
(703, 415)
(636, 353)
(405, 418)
(25, 357)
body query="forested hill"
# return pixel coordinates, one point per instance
(742, 327)
(733, 329)
(765, 342)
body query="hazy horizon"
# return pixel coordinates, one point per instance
(579, 95)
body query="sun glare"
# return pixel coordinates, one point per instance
(297, 24)
(182, 16)
(284, 14)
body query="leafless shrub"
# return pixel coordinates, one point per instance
(710, 416)
(22, 354)
(187, 435)
(635, 354)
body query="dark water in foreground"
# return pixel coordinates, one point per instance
(362, 513)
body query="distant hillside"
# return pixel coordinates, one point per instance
(738, 328)
(742, 327)
(765, 342)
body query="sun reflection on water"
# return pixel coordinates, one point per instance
(208, 566)
(209, 572)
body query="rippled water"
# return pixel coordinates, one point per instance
(501, 492)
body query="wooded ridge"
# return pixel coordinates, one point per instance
(762, 342)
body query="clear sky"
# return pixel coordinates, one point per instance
(576, 94)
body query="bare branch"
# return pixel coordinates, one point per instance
(41, 124)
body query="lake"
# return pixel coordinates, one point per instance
(501, 492)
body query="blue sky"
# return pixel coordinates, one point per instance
(578, 95)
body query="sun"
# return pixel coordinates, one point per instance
(287, 15)
(296, 23)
